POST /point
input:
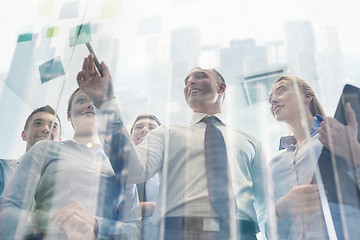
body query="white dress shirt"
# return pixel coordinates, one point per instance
(177, 153)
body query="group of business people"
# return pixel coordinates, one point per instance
(203, 180)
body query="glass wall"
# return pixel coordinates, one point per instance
(150, 46)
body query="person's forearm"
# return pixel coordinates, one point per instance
(118, 145)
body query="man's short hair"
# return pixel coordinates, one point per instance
(47, 109)
(149, 116)
(219, 76)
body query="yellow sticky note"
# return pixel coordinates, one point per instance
(111, 9)
(52, 32)
(45, 7)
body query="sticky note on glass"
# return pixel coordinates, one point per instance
(150, 25)
(52, 32)
(80, 34)
(51, 69)
(69, 10)
(24, 37)
(45, 7)
(111, 9)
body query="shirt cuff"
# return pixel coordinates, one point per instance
(108, 115)
(109, 106)
(112, 229)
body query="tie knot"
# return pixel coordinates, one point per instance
(210, 120)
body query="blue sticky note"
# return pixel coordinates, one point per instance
(69, 10)
(51, 69)
(80, 34)
(150, 25)
(24, 37)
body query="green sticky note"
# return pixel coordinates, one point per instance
(111, 9)
(52, 32)
(45, 7)
(24, 37)
(80, 34)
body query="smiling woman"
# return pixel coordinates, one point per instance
(289, 92)
(81, 114)
(297, 206)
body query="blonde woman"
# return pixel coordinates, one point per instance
(298, 213)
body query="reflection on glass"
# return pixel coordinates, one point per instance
(150, 50)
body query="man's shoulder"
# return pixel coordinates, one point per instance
(45, 143)
(44, 146)
(8, 162)
(249, 136)
(171, 128)
(7, 166)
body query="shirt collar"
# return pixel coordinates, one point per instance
(89, 145)
(316, 124)
(288, 141)
(197, 116)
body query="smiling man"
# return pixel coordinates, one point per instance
(148, 191)
(37, 127)
(143, 124)
(211, 184)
